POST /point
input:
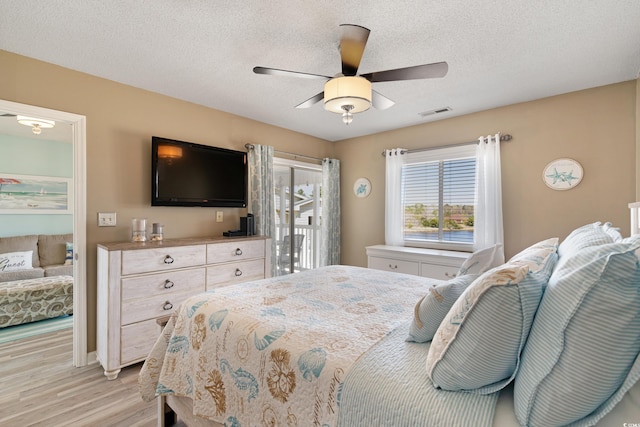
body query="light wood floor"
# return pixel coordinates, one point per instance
(40, 387)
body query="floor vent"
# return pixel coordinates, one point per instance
(436, 111)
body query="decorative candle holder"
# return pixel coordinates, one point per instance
(138, 230)
(156, 233)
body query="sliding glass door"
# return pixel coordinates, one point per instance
(298, 192)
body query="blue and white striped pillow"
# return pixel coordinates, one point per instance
(478, 345)
(582, 352)
(589, 235)
(434, 306)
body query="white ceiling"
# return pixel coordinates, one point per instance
(203, 51)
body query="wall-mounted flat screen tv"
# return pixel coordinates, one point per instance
(188, 174)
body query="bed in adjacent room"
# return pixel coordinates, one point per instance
(351, 346)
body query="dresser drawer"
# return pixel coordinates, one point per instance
(157, 259)
(235, 251)
(234, 272)
(136, 340)
(394, 265)
(164, 283)
(153, 306)
(435, 271)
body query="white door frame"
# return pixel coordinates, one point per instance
(79, 128)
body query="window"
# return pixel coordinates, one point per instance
(438, 193)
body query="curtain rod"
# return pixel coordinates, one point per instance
(503, 138)
(250, 147)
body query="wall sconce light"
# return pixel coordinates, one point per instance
(36, 124)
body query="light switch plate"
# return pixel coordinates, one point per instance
(219, 216)
(107, 219)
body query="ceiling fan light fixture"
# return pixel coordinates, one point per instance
(353, 91)
(36, 124)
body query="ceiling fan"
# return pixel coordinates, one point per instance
(349, 92)
(36, 124)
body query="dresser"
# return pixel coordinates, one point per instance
(139, 283)
(433, 263)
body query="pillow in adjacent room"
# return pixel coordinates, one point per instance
(482, 260)
(478, 345)
(68, 258)
(582, 353)
(434, 306)
(14, 261)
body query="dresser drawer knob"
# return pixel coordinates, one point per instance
(168, 259)
(238, 272)
(393, 267)
(167, 306)
(168, 284)
(238, 251)
(447, 274)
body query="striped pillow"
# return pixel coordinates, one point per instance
(477, 347)
(589, 235)
(434, 306)
(582, 352)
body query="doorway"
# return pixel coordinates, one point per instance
(298, 203)
(77, 137)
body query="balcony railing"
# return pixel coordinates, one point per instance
(310, 250)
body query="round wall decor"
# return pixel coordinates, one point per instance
(362, 187)
(562, 174)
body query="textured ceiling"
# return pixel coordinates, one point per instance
(499, 52)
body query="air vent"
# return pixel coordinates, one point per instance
(436, 111)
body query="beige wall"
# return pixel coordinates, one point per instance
(120, 122)
(638, 139)
(597, 127)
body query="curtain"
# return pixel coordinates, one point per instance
(261, 197)
(488, 229)
(330, 241)
(393, 227)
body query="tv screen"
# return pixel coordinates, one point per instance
(188, 174)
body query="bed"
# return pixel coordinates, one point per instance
(330, 347)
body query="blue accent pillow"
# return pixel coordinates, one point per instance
(478, 345)
(582, 353)
(68, 259)
(434, 306)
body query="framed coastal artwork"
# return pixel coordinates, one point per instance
(30, 194)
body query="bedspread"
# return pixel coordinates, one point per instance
(276, 351)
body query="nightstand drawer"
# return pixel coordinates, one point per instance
(163, 284)
(235, 251)
(234, 272)
(394, 265)
(157, 259)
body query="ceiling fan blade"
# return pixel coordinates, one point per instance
(352, 44)
(380, 101)
(426, 71)
(311, 101)
(286, 73)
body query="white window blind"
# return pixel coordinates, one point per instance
(438, 197)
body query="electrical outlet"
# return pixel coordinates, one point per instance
(219, 216)
(107, 219)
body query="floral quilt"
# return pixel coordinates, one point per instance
(276, 351)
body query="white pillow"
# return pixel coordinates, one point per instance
(482, 260)
(14, 261)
